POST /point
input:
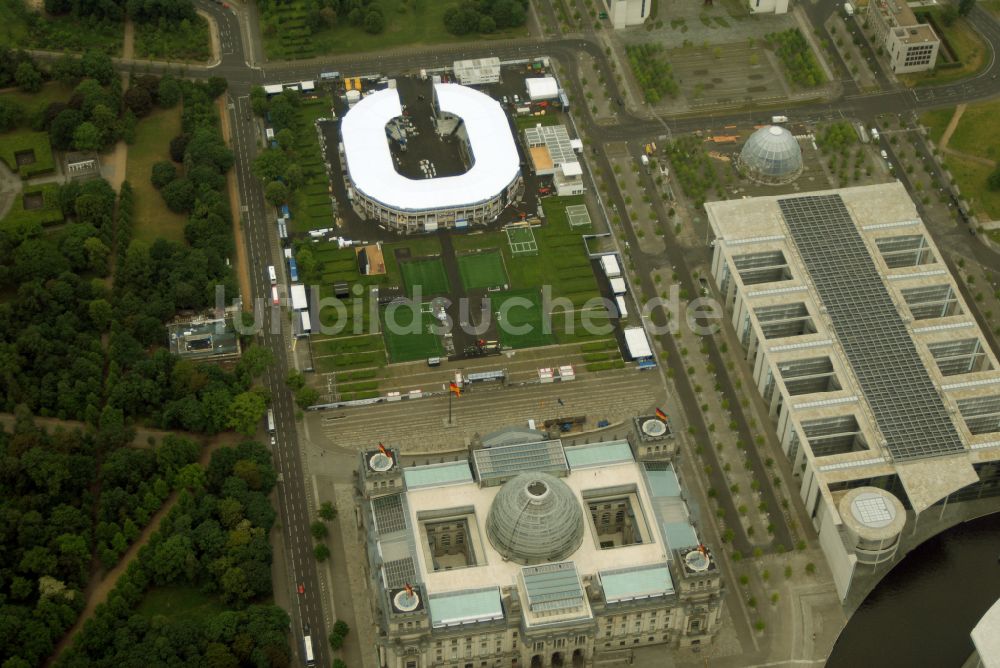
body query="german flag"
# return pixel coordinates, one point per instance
(455, 389)
(381, 448)
(660, 414)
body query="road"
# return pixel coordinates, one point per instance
(242, 63)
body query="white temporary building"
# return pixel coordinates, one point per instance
(299, 302)
(370, 164)
(273, 89)
(306, 323)
(542, 88)
(610, 265)
(637, 343)
(477, 71)
(307, 86)
(618, 286)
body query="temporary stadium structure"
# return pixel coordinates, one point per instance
(410, 205)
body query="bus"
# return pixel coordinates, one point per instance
(275, 298)
(293, 270)
(307, 651)
(271, 274)
(270, 421)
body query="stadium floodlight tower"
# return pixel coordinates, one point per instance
(478, 196)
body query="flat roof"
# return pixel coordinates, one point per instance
(372, 170)
(986, 637)
(598, 454)
(492, 569)
(626, 584)
(465, 607)
(542, 88)
(435, 475)
(637, 342)
(553, 587)
(299, 302)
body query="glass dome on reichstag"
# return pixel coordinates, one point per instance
(535, 518)
(771, 155)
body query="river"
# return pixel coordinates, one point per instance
(921, 613)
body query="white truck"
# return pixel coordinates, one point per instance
(779, 119)
(874, 134)
(644, 159)
(848, 10)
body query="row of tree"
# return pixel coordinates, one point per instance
(118, 10)
(277, 167)
(485, 16)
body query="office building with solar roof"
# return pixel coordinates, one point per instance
(883, 390)
(534, 553)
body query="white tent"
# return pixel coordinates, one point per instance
(637, 343)
(542, 88)
(299, 302)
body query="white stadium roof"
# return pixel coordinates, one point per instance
(370, 163)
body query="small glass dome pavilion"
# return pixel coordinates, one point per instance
(535, 518)
(771, 156)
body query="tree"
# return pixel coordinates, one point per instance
(270, 165)
(86, 137)
(255, 361)
(295, 380)
(285, 138)
(965, 6)
(179, 195)
(163, 173)
(178, 146)
(487, 25)
(11, 114)
(138, 100)
(27, 77)
(276, 193)
(169, 92)
(97, 65)
(306, 397)
(949, 14)
(246, 411)
(341, 628)
(67, 70)
(216, 86)
(322, 553)
(97, 255)
(374, 21)
(993, 182)
(62, 128)
(318, 530)
(327, 510)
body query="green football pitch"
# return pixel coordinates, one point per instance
(428, 274)
(482, 270)
(526, 314)
(405, 342)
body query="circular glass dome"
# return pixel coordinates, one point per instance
(771, 155)
(535, 518)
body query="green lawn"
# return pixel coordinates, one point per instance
(409, 23)
(184, 40)
(530, 121)
(311, 207)
(152, 218)
(482, 270)
(48, 214)
(405, 340)
(17, 141)
(428, 274)
(976, 133)
(936, 121)
(35, 103)
(969, 50)
(180, 602)
(520, 309)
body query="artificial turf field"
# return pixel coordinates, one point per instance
(404, 344)
(428, 274)
(482, 270)
(519, 315)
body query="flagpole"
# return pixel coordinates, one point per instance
(450, 395)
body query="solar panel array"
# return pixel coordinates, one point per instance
(907, 408)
